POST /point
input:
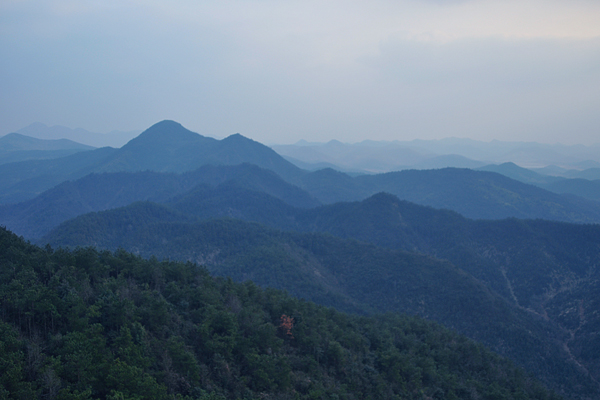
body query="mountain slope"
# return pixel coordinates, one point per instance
(16, 141)
(474, 194)
(164, 147)
(588, 189)
(24, 180)
(585, 188)
(349, 275)
(96, 192)
(91, 325)
(520, 174)
(168, 146)
(79, 135)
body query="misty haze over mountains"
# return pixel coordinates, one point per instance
(503, 254)
(383, 156)
(374, 157)
(410, 210)
(113, 139)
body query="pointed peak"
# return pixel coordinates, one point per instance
(237, 136)
(166, 123)
(166, 130)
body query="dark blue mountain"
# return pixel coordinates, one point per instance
(96, 192)
(164, 147)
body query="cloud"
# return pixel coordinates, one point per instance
(279, 71)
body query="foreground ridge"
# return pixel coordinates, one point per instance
(87, 324)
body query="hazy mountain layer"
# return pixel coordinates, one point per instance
(112, 139)
(389, 156)
(586, 188)
(168, 146)
(164, 147)
(474, 194)
(24, 180)
(97, 192)
(15, 147)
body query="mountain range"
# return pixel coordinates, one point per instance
(169, 147)
(523, 287)
(112, 139)
(505, 282)
(15, 147)
(385, 156)
(585, 184)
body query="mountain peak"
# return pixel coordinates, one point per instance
(237, 137)
(166, 127)
(162, 133)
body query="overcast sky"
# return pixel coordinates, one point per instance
(280, 71)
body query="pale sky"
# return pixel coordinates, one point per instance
(281, 71)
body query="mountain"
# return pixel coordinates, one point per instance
(164, 147)
(387, 156)
(585, 188)
(474, 194)
(24, 180)
(15, 147)
(96, 192)
(580, 187)
(88, 324)
(112, 139)
(353, 157)
(590, 174)
(321, 165)
(447, 160)
(168, 146)
(513, 171)
(527, 268)
(18, 142)
(522, 153)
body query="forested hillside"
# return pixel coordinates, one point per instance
(524, 288)
(346, 274)
(96, 325)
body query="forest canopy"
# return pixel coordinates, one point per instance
(89, 324)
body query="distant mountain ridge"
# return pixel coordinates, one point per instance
(164, 147)
(15, 147)
(527, 288)
(586, 188)
(169, 147)
(474, 194)
(16, 142)
(386, 156)
(113, 139)
(97, 192)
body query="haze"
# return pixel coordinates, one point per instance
(279, 72)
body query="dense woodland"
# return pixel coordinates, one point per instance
(89, 324)
(363, 278)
